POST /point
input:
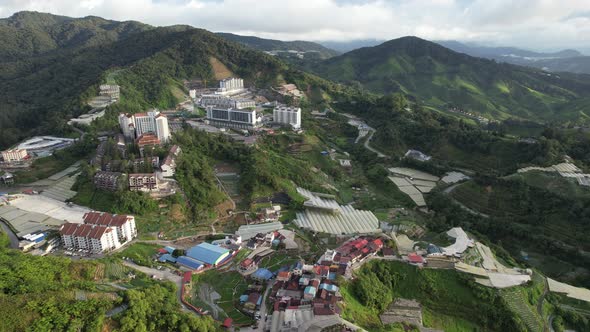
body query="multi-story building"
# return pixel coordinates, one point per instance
(93, 238)
(169, 166)
(231, 84)
(109, 90)
(287, 115)
(124, 224)
(143, 182)
(232, 118)
(135, 125)
(220, 101)
(14, 155)
(110, 181)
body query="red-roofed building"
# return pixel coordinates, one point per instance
(227, 323)
(247, 264)
(376, 245)
(187, 277)
(147, 139)
(414, 258)
(92, 238)
(124, 224)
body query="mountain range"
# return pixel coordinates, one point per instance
(443, 78)
(50, 65)
(561, 61)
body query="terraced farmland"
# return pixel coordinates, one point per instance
(115, 271)
(516, 300)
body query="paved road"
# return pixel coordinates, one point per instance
(368, 147)
(11, 236)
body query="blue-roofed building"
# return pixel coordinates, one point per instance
(329, 287)
(243, 298)
(262, 274)
(309, 292)
(189, 262)
(208, 253)
(169, 249)
(167, 258)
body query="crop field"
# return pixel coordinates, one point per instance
(516, 299)
(230, 183)
(115, 271)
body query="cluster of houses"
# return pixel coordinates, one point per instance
(110, 180)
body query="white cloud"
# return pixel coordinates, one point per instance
(539, 24)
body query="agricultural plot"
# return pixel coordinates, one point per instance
(516, 300)
(115, 271)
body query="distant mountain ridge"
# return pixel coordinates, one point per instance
(347, 46)
(443, 78)
(262, 44)
(561, 61)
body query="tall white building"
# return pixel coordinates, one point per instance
(287, 115)
(230, 85)
(232, 118)
(93, 238)
(135, 125)
(123, 224)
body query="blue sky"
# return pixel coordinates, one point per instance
(532, 24)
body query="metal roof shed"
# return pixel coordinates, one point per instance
(208, 253)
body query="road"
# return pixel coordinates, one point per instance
(368, 147)
(263, 314)
(11, 236)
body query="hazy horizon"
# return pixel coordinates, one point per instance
(533, 25)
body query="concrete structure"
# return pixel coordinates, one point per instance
(110, 181)
(403, 310)
(221, 101)
(287, 115)
(45, 145)
(135, 125)
(169, 166)
(208, 253)
(93, 238)
(14, 155)
(231, 85)
(110, 90)
(143, 182)
(86, 119)
(233, 118)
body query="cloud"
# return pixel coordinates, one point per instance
(538, 24)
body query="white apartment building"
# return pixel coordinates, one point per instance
(233, 118)
(14, 155)
(93, 238)
(135, 125)
(123, 224)
(221, 101)
(287, 115)
(231, 84)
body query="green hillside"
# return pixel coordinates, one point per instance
(262, 44)
(41, 91)
(440, 77)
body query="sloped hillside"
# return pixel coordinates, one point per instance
(441, 77)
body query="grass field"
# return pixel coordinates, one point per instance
(276, 261)
(140, 253)
(230, 285)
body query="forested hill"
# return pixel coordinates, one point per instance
(262, 44)
(31, 33)
(40, 92)
(441, 77)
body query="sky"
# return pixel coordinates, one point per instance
(532, 24)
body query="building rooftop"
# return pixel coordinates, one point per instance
(207, 253)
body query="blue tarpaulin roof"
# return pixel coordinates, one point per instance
(169, 249)
(167, 258)
(189, 262)
(207, 253)
(244, 298)
(262, 273)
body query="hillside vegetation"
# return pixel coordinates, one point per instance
(41, 91)
(443, 78)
